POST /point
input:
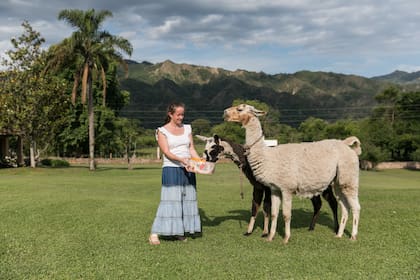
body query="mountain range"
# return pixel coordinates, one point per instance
(207, 91)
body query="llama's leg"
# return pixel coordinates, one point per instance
(254, 212)
(266, 210)
(316, 203)
(342, 200)
(332, 201)
(287, 215)
(355, 209)
(257, 196)
(275, 208)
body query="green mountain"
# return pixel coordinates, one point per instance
(400, 77)
(207, 91)
(409, 81)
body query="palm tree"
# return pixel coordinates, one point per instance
(92, 52)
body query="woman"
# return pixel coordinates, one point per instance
(177, 213)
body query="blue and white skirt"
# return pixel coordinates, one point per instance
(177, 213)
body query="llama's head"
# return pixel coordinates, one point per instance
(242, 113)
(216, 146)
(213, 149)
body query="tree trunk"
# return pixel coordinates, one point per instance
(92, 165)
(130, 167)
(20, 159)
(32, 150)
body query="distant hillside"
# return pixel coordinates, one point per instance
(400, 77)
(207, 91)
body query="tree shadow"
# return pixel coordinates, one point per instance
(135, 168)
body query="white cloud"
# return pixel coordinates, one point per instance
(320, 34)
(408, 68)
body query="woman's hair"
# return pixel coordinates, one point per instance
(171, 109)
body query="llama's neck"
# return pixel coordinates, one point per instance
(253, 132)
(255, 148)
(234, 151)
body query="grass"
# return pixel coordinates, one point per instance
(70, 223)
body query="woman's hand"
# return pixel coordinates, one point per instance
(185, 162)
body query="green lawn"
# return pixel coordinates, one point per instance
(71, 223)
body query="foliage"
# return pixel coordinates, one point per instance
(33, 102)
(128, 131)
(313, 129)
(91, 52)
(55, 162)
(147, 138)
(229, 130)
(201, 126)
(8, 161)
(394, 127)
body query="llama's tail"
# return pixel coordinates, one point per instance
(354, 143)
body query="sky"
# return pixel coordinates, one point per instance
(366, 38)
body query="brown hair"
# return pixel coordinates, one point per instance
(171, 109)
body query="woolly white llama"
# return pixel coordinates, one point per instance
(304, 169)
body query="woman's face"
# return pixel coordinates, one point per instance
(178, 116)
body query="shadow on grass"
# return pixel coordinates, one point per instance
(122, 167)
(300, 219)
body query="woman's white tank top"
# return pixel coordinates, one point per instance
(179, 145)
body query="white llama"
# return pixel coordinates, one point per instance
(303, 169)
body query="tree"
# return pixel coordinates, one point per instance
(201, 126)
(91, 51)
(313, 129)
(388, 100)
(35, 100)
(230, 130)
(128, 132)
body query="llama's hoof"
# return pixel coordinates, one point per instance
(247, 233)
(285, 241)
(353, 238)
(269, 239)
(338, 236)
(264, 235)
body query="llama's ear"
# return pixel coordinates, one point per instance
(258, 113)
(203, 138)
(216, 139)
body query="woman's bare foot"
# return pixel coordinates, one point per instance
(154, 239)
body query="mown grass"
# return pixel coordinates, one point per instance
(71, 223)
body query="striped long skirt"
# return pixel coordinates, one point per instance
(177, 213)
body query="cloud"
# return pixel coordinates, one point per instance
(352, 37)
(408, 68)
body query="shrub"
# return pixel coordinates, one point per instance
(46, 162)
(55, 162)
(59, 163)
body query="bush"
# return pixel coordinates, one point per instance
(147, 141)
(46, 162)
(416, 155)
(8, 162)
(55, 162)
